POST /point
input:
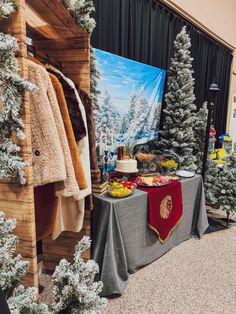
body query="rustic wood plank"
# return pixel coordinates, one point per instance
(63, 44)
(27, 249)
(57, 16)
(15, 200)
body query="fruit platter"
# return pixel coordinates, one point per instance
(121, 189)
(152, 181)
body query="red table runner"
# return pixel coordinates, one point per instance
(164, 208)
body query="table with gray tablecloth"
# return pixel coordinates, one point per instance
(122, 242)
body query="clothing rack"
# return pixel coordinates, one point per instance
(57, 37)
(43, 57)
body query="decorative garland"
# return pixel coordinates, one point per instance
(11, 87)
(6, 8)
(81, 10)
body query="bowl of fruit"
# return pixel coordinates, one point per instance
(121, 189)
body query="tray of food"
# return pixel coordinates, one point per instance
(152, 181)
(121, 189)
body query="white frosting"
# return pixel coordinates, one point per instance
(127, 166)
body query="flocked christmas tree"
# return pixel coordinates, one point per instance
(220, 184)
(81, 10)
(199, 129)
(179, 115)
(20, 300)
(6, 8)
(74, 288)
(11, 87)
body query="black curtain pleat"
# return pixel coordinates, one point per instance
(144, 30)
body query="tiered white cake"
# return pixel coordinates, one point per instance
(126, 166)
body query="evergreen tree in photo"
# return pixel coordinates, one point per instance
(107, 118)
(199, 135)
(137, 118)
(129, 117)
(142, 117)
(179, 115)
(154, 119)
(94, 77)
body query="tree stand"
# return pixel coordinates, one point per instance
(227, 219)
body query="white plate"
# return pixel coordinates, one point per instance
(185, 174)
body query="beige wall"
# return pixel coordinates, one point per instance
(218, 17)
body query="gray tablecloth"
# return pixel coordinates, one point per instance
(123, 242)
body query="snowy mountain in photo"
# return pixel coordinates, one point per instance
(130, 99)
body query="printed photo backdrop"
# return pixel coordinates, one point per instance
(129, 102)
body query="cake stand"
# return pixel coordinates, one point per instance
(127, 174)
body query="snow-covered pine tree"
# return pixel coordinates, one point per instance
(212, 186)
(74, 289)
(20, 300)
(177, 134)
(154, 119)
(105, 117)
(141, 119)
(199, 129)
(128, 118)
(227, 184)
(6, 8)
(137, 118)
(220, 184)
(81, 10)
(11, 124)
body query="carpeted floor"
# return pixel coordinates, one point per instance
(197, 277)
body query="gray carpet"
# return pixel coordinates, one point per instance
(197, 277)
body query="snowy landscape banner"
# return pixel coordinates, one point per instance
(129, 103)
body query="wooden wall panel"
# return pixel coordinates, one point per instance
(74, 54)
(15, 200)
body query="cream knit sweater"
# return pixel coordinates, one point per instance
(51, 154)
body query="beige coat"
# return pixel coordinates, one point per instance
(51, 154)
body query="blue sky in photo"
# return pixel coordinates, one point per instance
(120, 76)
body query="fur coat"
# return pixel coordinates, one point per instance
(78, 166)
(76, 117)
(52, 160)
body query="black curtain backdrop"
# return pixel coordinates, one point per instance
(144, 30)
